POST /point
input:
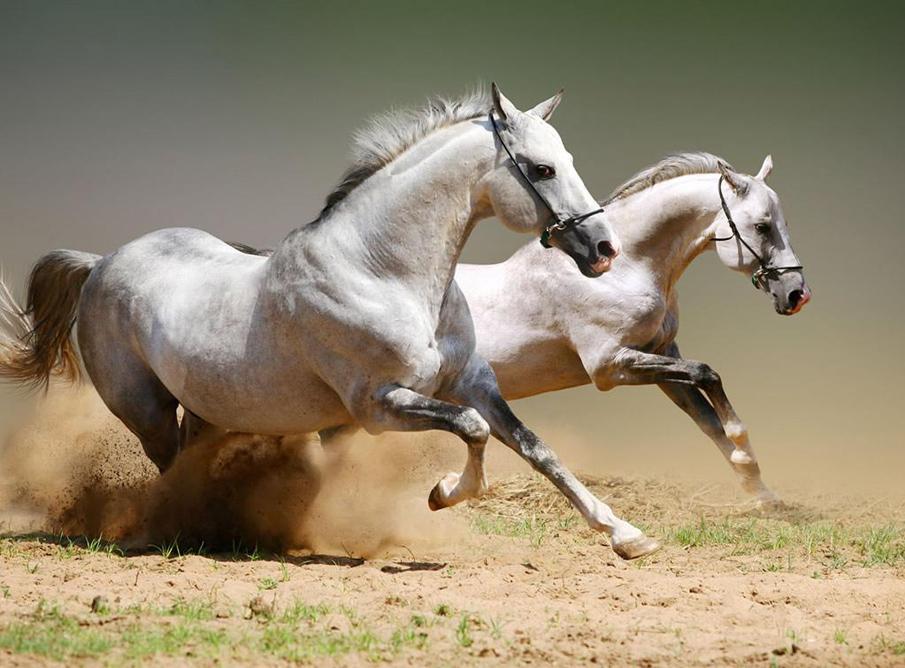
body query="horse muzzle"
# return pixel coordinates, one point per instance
(790, 295)
(796, 300)
(591, 246)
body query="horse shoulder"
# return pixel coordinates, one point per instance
(354, 320)
(622, 309)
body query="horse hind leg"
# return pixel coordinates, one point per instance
(692, 401)
(151, 416)
(194, 429)
(138, 398)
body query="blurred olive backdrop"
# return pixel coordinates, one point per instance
(118, 118)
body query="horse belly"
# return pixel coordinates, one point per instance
(238, 377)
(283, 406)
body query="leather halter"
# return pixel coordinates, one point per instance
(559, 224)
(765, 271)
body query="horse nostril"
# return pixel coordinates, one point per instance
(606, 249)
(795, 297)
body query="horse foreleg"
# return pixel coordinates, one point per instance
(690, 400)
(633, 367)
(406, 410)
(480, 390)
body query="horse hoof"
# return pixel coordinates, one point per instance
(435, 500)
(637, 547)
(770, 502)
(442, 494)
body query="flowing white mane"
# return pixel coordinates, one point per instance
(670, 167)
(388, 135)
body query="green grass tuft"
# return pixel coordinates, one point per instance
(834, 544)
(53, 635)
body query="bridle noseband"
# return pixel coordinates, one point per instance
(759, 277)
(558, 224)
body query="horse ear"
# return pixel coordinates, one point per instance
(731, 177)
(501, 104)
(765, 168)
(545, 109)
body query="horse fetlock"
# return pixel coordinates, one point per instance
(742, 457)
(736, 432)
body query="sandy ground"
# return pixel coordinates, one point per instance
(363, 572)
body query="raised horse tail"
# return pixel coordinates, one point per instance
(36, 342)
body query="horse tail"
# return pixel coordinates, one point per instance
(36, 342)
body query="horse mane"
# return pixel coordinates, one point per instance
(670, 167)
(390, 134)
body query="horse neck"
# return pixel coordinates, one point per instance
(668, 225)
(410, 220)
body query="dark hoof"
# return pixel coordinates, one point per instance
(637, 548)
(434, 501)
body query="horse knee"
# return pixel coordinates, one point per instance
(472, 427)
(704, 375)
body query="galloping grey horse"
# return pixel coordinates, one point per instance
(354, 319)
(563, 331)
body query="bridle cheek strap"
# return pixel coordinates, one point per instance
(765, 270)
(559, 224)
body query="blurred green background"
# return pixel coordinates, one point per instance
(118, 118)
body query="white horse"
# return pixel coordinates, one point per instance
(354, 319)
(543, 327)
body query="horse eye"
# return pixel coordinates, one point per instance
(544, 171)
(762, 228)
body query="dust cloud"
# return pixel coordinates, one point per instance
(72, 468)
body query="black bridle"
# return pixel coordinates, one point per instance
(558, 224)
(765, 271)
